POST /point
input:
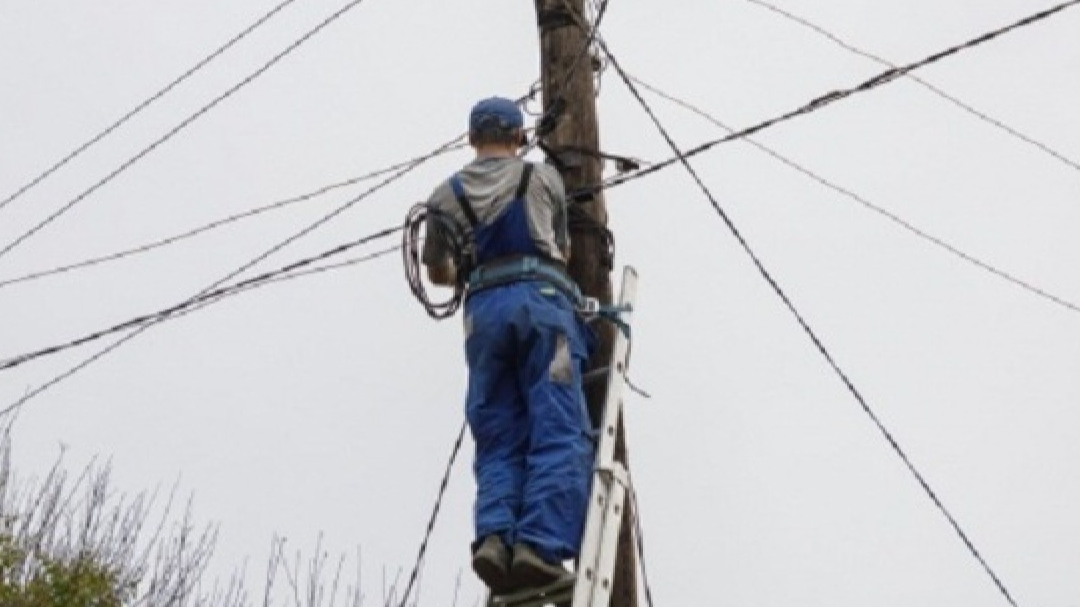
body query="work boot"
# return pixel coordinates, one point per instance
(529, 570)
(491, 562)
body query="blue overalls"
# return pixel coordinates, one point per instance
(526, 349)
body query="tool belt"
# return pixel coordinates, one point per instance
(508, 270)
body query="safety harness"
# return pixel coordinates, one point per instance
(504, 253)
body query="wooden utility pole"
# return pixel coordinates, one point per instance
(573, 143)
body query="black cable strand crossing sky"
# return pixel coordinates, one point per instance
(995, 122)
(825, 100)
(307, 230)
(434, 516)
(818, 344)
(146, 103)
(297, 273)
(286, 276)
(412, 165)
(170, 240)
(906, 225)
(201, 298)
(181, 126)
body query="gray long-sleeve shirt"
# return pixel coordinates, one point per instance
(490, 184)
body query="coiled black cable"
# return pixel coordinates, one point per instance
(422, 217)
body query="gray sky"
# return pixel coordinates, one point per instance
(329, 404)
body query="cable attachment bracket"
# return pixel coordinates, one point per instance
(563, 157)
(550, 120)
(553, 18)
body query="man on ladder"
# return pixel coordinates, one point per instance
(526, 348)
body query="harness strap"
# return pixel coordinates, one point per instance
(523, 185)
(466, 207)
(463, 201)
(524, 268)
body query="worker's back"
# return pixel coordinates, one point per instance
(489, 186)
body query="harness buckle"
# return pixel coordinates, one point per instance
(589, 306)
(530, 264)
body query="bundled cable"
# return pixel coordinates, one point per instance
(423, 217)
(579, 220)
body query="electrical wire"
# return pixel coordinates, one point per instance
(179, 127)
(828, 99)
(906, 225)
(995, 122)
(40, 389)
(290, 275)
(411, 166)
(551, 114)
(745, 245)
(340, 265)
(434, 515)
(146, 103)
(591, 30)
(423, 217)
(201, 298)
(101, 353)
(145, 248)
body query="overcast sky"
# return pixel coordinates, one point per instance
(329, 404)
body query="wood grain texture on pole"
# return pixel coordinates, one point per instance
(567, 79)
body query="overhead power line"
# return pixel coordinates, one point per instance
(828, 99)
(906, 225)
(146, 103)
(412, 165)
(818, 344)
(312, 271)
(995, 122)
(179, 127)
(197, 300)
(40, 389)
(440, 494)
(170, 240)
(225, 294)
(297, 273)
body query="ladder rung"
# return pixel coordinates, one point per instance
(556, 593)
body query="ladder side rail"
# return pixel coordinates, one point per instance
(609, 545)
(589, 570)
(616, 375)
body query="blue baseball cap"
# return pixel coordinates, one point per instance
(495, 112)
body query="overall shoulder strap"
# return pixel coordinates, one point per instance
(463, 201)
(523, 185)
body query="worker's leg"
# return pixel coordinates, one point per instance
(497, 418)
(560, 452)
